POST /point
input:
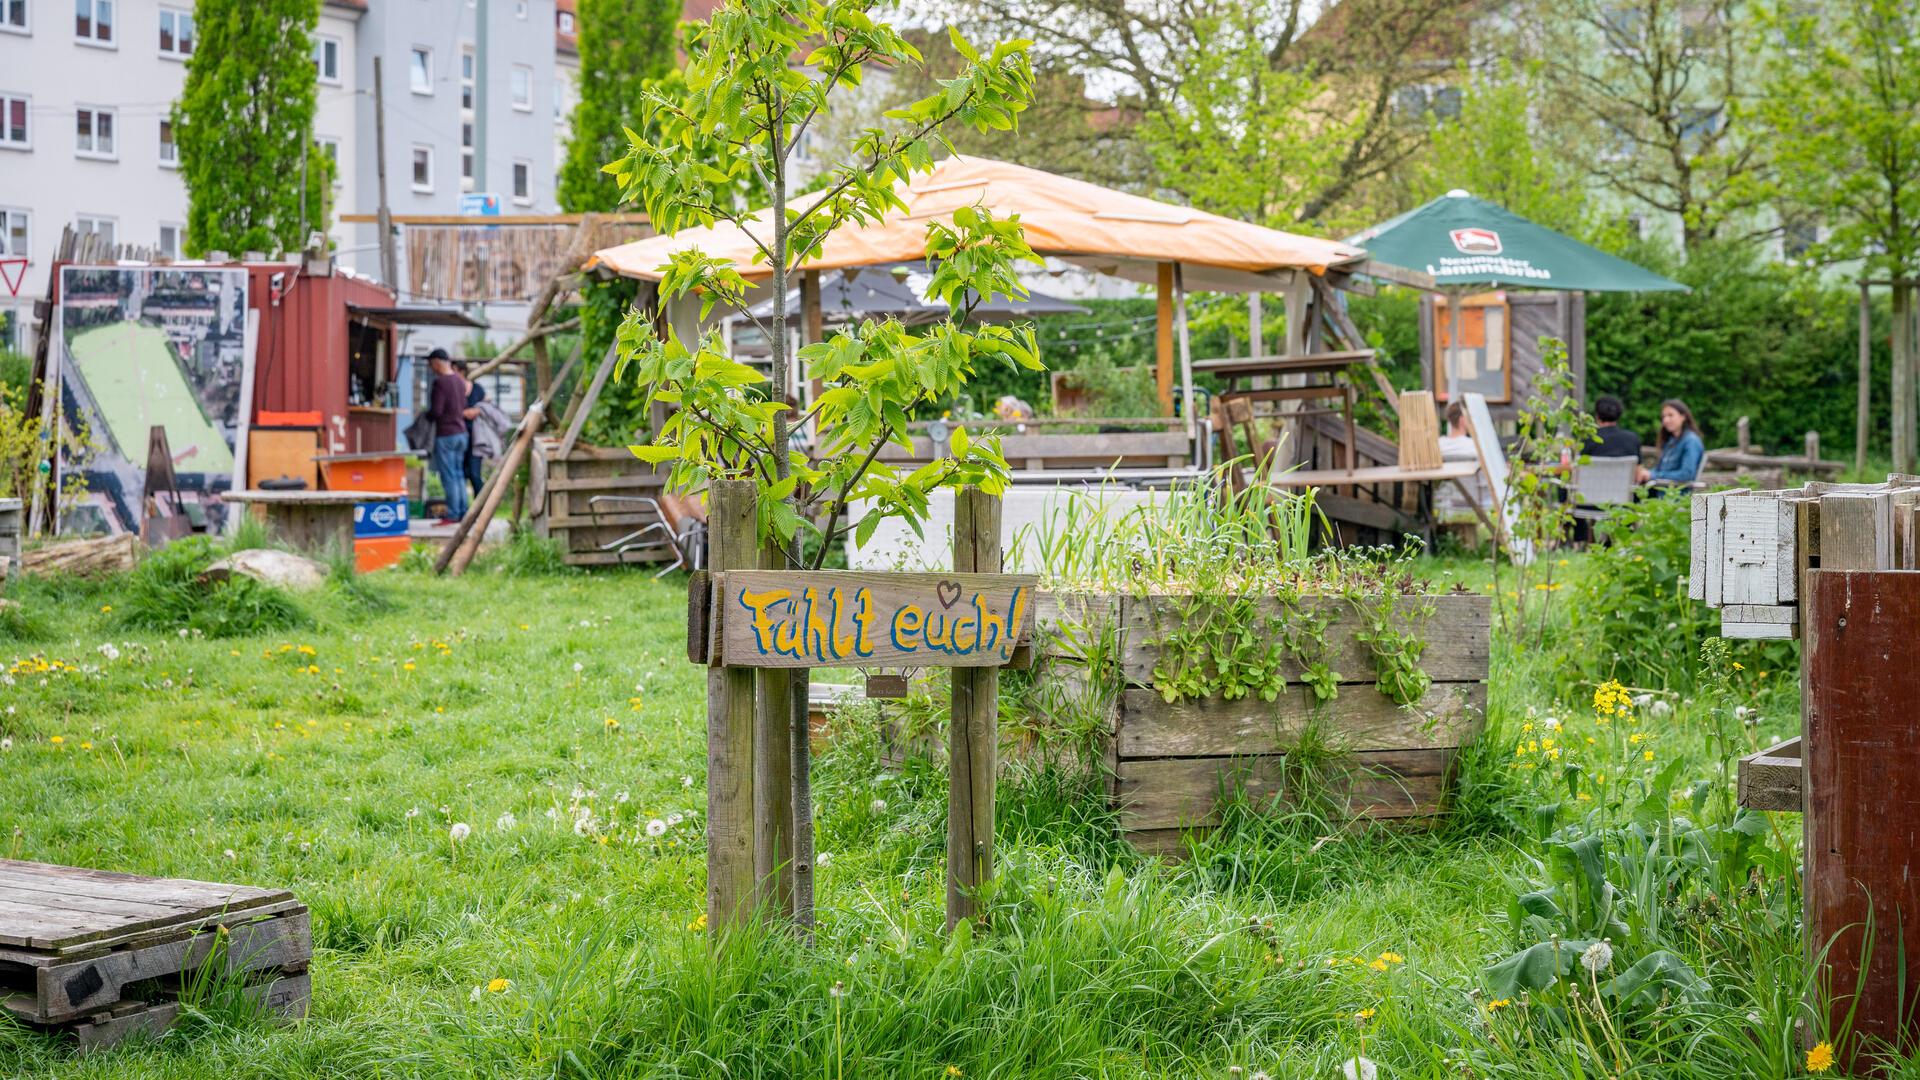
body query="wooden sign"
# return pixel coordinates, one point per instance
(844, 618)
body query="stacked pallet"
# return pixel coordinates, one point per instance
(100, 956)
(1751, 548)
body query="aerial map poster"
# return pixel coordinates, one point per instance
(146, 346)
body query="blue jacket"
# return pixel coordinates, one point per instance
(1680, 461)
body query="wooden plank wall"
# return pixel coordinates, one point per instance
(1172, 763)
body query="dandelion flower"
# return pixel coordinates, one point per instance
(1647, 754)
(57, 739)
(505, 822)
(106, 609)
(954, 1070)
(412, 812)
(878, 806)
(1820, 1058)
(1360, 1069)
(1393, 957)
(823, 858)
(1597, 957)
(6, 745)
(686, 781)
(459, 831)
(1363, 1014)
(675, 818)
(656, 828)
(612, 724)
(838, 989)
(1498, 1003)
(698, 924)
(109, 651)
(578, 667)
(499, 986)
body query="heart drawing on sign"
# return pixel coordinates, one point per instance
(949, 592)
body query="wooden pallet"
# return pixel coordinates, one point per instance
(102, 955)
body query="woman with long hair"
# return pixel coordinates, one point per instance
(1681, 448)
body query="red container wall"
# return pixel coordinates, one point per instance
(302, 362)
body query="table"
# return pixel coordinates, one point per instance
(310, 520)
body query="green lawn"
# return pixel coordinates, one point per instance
(332, 760)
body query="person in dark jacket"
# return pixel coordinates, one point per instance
(447, 404)
(475, 395)
(1610, 439)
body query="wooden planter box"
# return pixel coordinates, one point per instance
(1170, 765)
(561, 492)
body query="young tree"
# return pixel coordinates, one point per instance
(1650, 94)
(1844, 101)
(1490, 149)
(244, 126)
(758, 76)
(624, 46)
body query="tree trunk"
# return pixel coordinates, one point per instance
(1903, 390)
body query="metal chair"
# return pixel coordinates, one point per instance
(682, 535)
(1601, 483)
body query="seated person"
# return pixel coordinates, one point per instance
(1611, 440)
(1681, 448)
(1456, 444)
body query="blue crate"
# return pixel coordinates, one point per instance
(380, 517)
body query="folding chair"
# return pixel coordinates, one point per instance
(1599, 484)
(673, 529)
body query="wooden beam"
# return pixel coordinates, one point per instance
(730, 728)
(1163, 338)
(973, 733)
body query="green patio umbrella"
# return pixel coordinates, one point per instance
(1464, 242)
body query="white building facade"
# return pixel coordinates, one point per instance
(87, 86)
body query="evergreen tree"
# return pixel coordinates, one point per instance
(244, 125)
(624, 46)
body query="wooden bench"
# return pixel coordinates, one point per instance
(309, 520)
(100, 955)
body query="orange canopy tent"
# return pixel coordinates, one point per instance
(1174, 248)
(1109, 231)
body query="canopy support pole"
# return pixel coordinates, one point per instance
(1455, 298)
(1863, 407)
(1163, 338)
(1186, 355)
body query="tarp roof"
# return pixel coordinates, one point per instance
(897, 292)
(1104, 230)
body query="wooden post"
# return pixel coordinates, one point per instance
(1163, 339)
(1863, 404)
(1813, 448)
(1903, 419)
(384, 221)
(773, 866)
(973, 731)
(1742, 438)
(1861, 673)
(731, 528)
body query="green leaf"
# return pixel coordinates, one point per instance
(655, 455)
(1652, 975)
(1533, 968)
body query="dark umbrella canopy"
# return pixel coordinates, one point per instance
(897, 292)
(1464, 241)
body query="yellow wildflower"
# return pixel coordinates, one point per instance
(408, 666)
(105, 608)
(954, 1070)
(612, 725)
(1738, 666)
(1393, 957)
(1363, 1014)
(499, 986)
(1647, 755)
(1820, 1058)
(57, 739)
(1498, 1003)
(698, 924)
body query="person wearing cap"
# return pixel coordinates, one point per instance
(447, 405)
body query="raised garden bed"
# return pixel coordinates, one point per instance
(1309, 680)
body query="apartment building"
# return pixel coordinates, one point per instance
(473, 100)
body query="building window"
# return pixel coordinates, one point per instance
(326, 58)
(13, 122)
(15, 235)
(171, 237)
(93, 22)
(523, 181)
(176, 33)
(466, 155)
(519, 9)
(93, 133)
(420, 70)
(169, 150)
(423, 169)
(467, 92)
(521, 82)
(329, 148)
(13, 16)
(98, 226)
(566, 22)
(466, 77)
